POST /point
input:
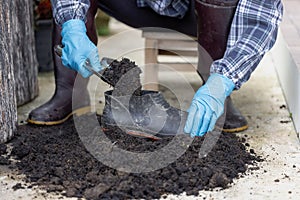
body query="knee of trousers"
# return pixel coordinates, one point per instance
(223, 3)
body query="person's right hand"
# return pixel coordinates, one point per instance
(77, 48)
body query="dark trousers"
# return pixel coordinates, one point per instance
(127, 12)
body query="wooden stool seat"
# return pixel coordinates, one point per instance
(180, 52)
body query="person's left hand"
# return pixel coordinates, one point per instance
(208, 105)
(77, 48)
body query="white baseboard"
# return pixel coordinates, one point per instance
(289, 77)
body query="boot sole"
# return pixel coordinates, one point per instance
(134, 133)
(233, 130)
(77, 112)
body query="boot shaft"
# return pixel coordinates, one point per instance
(214, 19)
(214, 22)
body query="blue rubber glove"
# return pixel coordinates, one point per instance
(208, 105)
(77, 48)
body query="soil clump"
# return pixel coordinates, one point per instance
(3, 152)
(124, 76)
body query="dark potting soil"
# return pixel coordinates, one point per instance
(124, 76)
(3, 152)
(4, 161)
(3, 149)
(56, 159)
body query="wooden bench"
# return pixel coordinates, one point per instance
(173, 49)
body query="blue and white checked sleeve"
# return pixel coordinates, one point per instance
(64, 10)
(253, 32)
(171, 8)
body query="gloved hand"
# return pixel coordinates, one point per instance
(77, 47)
(208, 105)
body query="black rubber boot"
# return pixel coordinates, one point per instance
(214, 21)
(146, 115)
(59, 108)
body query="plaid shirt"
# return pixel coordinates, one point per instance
(64, 10)
(253, 31)
(171, 8)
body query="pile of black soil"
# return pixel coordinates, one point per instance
(54, 158)
(124, 76)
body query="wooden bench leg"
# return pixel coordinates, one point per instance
(151, 65)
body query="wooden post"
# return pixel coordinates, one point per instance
(24, 57)
(18, 65)
(8, 107)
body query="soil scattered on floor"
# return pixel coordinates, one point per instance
(18, 186)
(55, 159)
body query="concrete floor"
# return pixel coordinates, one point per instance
(261, 100)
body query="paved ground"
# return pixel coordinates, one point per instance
(271, 132)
